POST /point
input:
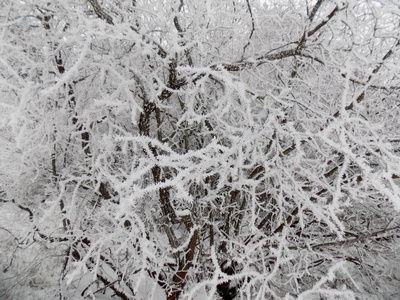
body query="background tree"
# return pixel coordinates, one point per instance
(177, 149)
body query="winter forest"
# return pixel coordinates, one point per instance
(213, 149)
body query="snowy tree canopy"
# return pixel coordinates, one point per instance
(184, 149)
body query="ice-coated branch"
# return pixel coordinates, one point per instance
(99, 11)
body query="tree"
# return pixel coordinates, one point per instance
(181, 149)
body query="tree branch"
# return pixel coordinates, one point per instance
(376, 70)
(252, 27)
(100, 12)
(351, 241)
(324, 22)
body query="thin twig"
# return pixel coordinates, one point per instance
(252, 28)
